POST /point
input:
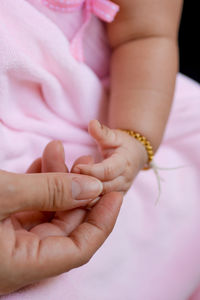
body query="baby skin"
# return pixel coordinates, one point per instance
(123, 157)
(143, 68)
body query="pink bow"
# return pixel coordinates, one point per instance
(104, 9)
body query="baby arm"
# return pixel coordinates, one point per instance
(143, 71)
(144, 65)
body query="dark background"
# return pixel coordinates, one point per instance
(189, 40)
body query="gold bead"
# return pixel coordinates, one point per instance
(145, 143)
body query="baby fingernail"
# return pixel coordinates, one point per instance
(85, 187)
(99, 124)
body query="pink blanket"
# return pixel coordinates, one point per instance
(45, 94)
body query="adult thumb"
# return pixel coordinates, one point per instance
(46, 191)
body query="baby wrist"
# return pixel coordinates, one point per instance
(145, 142)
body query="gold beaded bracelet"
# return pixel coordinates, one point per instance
(142, 139)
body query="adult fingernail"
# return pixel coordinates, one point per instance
(60, 148)
(86, 187)
(93, 202)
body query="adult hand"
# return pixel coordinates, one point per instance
(27, 256)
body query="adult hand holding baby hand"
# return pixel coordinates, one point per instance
(123, 158)
(28, 251)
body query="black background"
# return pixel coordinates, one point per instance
(189, 40)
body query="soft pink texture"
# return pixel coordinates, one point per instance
(104, 9)
(153, 252)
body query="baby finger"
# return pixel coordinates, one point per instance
(108, 169)
(118, 184)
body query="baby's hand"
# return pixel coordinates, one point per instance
(123, 155)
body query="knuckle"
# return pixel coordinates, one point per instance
(56, 192)
(8, 190)
(107, 187)
(109, 171)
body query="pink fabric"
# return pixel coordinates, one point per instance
(45, 94)
(104, 9)
(63, 6)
